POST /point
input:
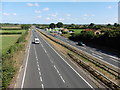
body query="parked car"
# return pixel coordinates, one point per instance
(81, 43)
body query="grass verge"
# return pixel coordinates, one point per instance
(9, 63)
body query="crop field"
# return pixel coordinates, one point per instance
(8, 40)
(77, 30)
(12, 31)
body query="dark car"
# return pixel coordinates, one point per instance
(81, 43)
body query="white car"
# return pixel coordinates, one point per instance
(37, 41)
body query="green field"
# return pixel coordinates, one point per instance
(12, 31)
(77, 30)
(8, 40)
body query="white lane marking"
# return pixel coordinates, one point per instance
(97, 55)
(37, 62)
(25, 67)
(96, 52)
(62, 78)
(55, 67)
(42, 45)
(113, 57)
(59, 74)
(38, 66)
(42, 86)
(39, 73)
(115, 60)
(83, 47)
(41, 79)
(45, 50)
(67, 63)
(49, 58)
(109, 55)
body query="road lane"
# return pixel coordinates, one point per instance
(32, 74)
(72, 80)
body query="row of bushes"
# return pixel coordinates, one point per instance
(11, 28)
(108, 39)
(8, 63)
(10, 33)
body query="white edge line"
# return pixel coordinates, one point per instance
(25, 66)
(68, 64)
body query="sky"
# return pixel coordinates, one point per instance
(53, 12)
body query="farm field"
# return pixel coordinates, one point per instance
(77, 30)
(12, 31)
(8, 40)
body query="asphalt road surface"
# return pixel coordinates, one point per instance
(45, 68)
(105, 56)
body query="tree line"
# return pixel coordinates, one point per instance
(109, 39)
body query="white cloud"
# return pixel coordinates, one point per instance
(6, 14)
(89, 15)
(109, 7)
(48, 18)
(39, 16)
(14, 14)
(36, 4)
(37, 11)
(86, 15)
(61, 19)
(32, 5)
(53, 15)
(92, 15)
(45, 9)
(68, 15)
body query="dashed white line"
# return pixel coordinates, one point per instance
(115, 60)
(97, 55)
(62, 78)
(59, 74)
(67, 63)
(39, 73)
(41, 79)
(96, 52)
(38, 68)
(42, 86)
(45, 50)
(42, 45)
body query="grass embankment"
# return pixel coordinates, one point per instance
(11, 44)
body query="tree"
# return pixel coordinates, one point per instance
(91, 25)
(108, 25)
(52, 25)
(25, 26)
(115, 24)
(59, 24)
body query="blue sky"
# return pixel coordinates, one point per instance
(53, 12)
